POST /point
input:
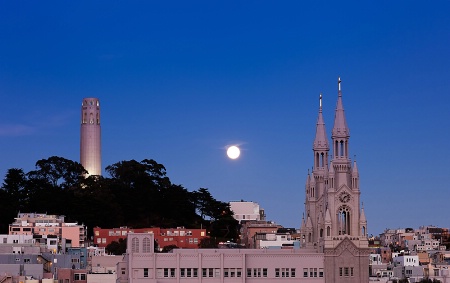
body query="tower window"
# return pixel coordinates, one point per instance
(344, 220)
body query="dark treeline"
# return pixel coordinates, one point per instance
(137, 195)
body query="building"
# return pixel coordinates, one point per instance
(247, 210)
(90, 137)
(333, 235)
(275, 241)
(250, 228)
(181, 237)
(47, 228)
(334, 223)
(142, 265)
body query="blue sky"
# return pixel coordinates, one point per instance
(180, 80)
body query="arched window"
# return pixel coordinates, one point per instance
(322, 160)
(328, 231)
(309, 238)
(317, 160)
(342, 148)
(321, 233)
(91, 119)
(363, 231)
(135, 245)
(146, 245)
(98, 119)
(343, 217)
(336, 149)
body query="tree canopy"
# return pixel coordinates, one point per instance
(136, 194)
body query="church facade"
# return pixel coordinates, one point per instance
(333, 232)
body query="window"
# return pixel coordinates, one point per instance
(103, 240)
(277, 272)
(344, 220)
(145, 272)
(207, 272)
(321, 272)
(135, 245)
(123, 270)
(26, 260)
(79, 276)
(75, 260)
(292, 272)
(305, 272)
(264, 272)
(225, 272)
(99, 240)
(146, 245)
(166, 272)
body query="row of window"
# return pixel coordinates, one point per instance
(237, 272)
(191, 240)
(313, 272)
(284, 272)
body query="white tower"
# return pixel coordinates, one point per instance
(90, 139)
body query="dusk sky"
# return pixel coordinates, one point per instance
(178, 81)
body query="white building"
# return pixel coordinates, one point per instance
(275, 241)
(247, 210)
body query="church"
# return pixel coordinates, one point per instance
(334, 223)
(334, 244)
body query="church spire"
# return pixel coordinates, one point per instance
(320, 141)
(340, 133)
(320, 144)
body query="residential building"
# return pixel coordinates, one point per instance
(250, 228)
(48, 227)
(181, 237)
(275, 241)
(247, 210)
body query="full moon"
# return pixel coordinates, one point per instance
(233, 152)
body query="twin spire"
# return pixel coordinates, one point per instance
(340, 129)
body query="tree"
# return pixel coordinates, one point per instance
(59, 172)
(117, 248)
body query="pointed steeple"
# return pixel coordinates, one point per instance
(355, 169)
(327, 216)
(320, 141)
(308, 179)
(362, 216)
(340, 133)
(303, 222)
(340, 128)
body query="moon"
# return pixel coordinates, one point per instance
(233, 152)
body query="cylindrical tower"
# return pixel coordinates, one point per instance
(90, 138)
